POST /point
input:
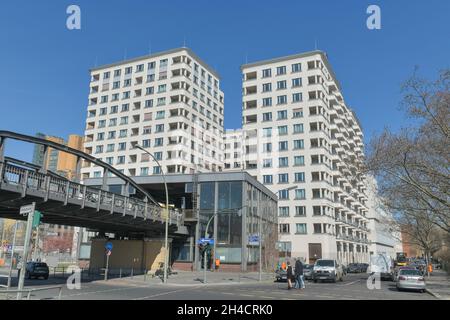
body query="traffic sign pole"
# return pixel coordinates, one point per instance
(107, 266)
(30, 211)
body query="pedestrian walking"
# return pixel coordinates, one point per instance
(289, 275)
(299, 282)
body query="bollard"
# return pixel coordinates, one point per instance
(145, 275)
(120, 273)
(132, 273)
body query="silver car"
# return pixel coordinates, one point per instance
(327, 269)
(410, 279)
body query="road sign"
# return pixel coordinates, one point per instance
(253, 240)
(26, 210)
(109, 246)
(37, 218)
(205, 241)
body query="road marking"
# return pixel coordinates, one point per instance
(99, 291)
(246, 295)
(349, 283)
(166, 293)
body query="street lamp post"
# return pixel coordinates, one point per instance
(166, 245)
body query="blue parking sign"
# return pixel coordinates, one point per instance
(109, 246)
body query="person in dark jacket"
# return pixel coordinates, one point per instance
(289, 275)
(298, 274)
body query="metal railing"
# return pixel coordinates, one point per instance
(67, 190)
(28, 292)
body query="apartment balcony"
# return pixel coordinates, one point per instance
(250, 76)
(250, 90)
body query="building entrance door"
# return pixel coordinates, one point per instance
(315, 252)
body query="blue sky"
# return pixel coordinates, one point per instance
(44, 76)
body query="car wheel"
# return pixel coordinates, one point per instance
(46, 277)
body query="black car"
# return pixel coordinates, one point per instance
(37, 270)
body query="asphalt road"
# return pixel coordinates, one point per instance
(353, 287)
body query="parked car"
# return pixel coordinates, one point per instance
(327, 269)
(354, 268)
(398, 269)
(281, 275)
(364, 267)
(411, 279)
(307, 271)
(36, 270)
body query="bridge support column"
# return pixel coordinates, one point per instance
(78, 170)
(105, 180)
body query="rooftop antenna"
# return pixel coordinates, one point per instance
(315, 44)
(184, 42)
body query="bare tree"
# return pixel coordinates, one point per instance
(413, 166)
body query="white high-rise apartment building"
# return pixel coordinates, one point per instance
(234, 149)
(170, 103)
(302, 141)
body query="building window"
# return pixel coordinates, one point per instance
(110, 148)
(299, 160)
(128, 70)
(109, 160)
(282, 99)
(160, 115)
(159, 142)
(159, 128)
(140, 68)
(297, 97)
(125, 107)
(267, 132)
(98, 149)
(267, 147)
(282, 115)
(281, 85)
(122, 146)
(283, 162)
(149, 90)
(300, 211)
(300, 228)
(299, 177)
(283, 178)
(297, 113)
(298, 144)
(267, 116)
(144, 171)
(283, 194)
(267, 87)
(267, 102)
(297, 82)
(158, 155)
(123, 133)
(148, 103)
(97, 174)
(281, 70)
(317, 228)
(146, 143)
(282, 130)
(282, 146)
(103, 111)
(150, 78)
(284, 228)
(120, 159)
(267, 179)
(267, 163)
(296, 67)
(283, 211)
(298, 128)
(157, 170)
(266, 73)
(100, 136)
(300, 194)
(111, 135)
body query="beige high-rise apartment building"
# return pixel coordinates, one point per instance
(302, 141)
(169, 103)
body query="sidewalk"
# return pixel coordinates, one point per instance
(438, 284)
(188, 278)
